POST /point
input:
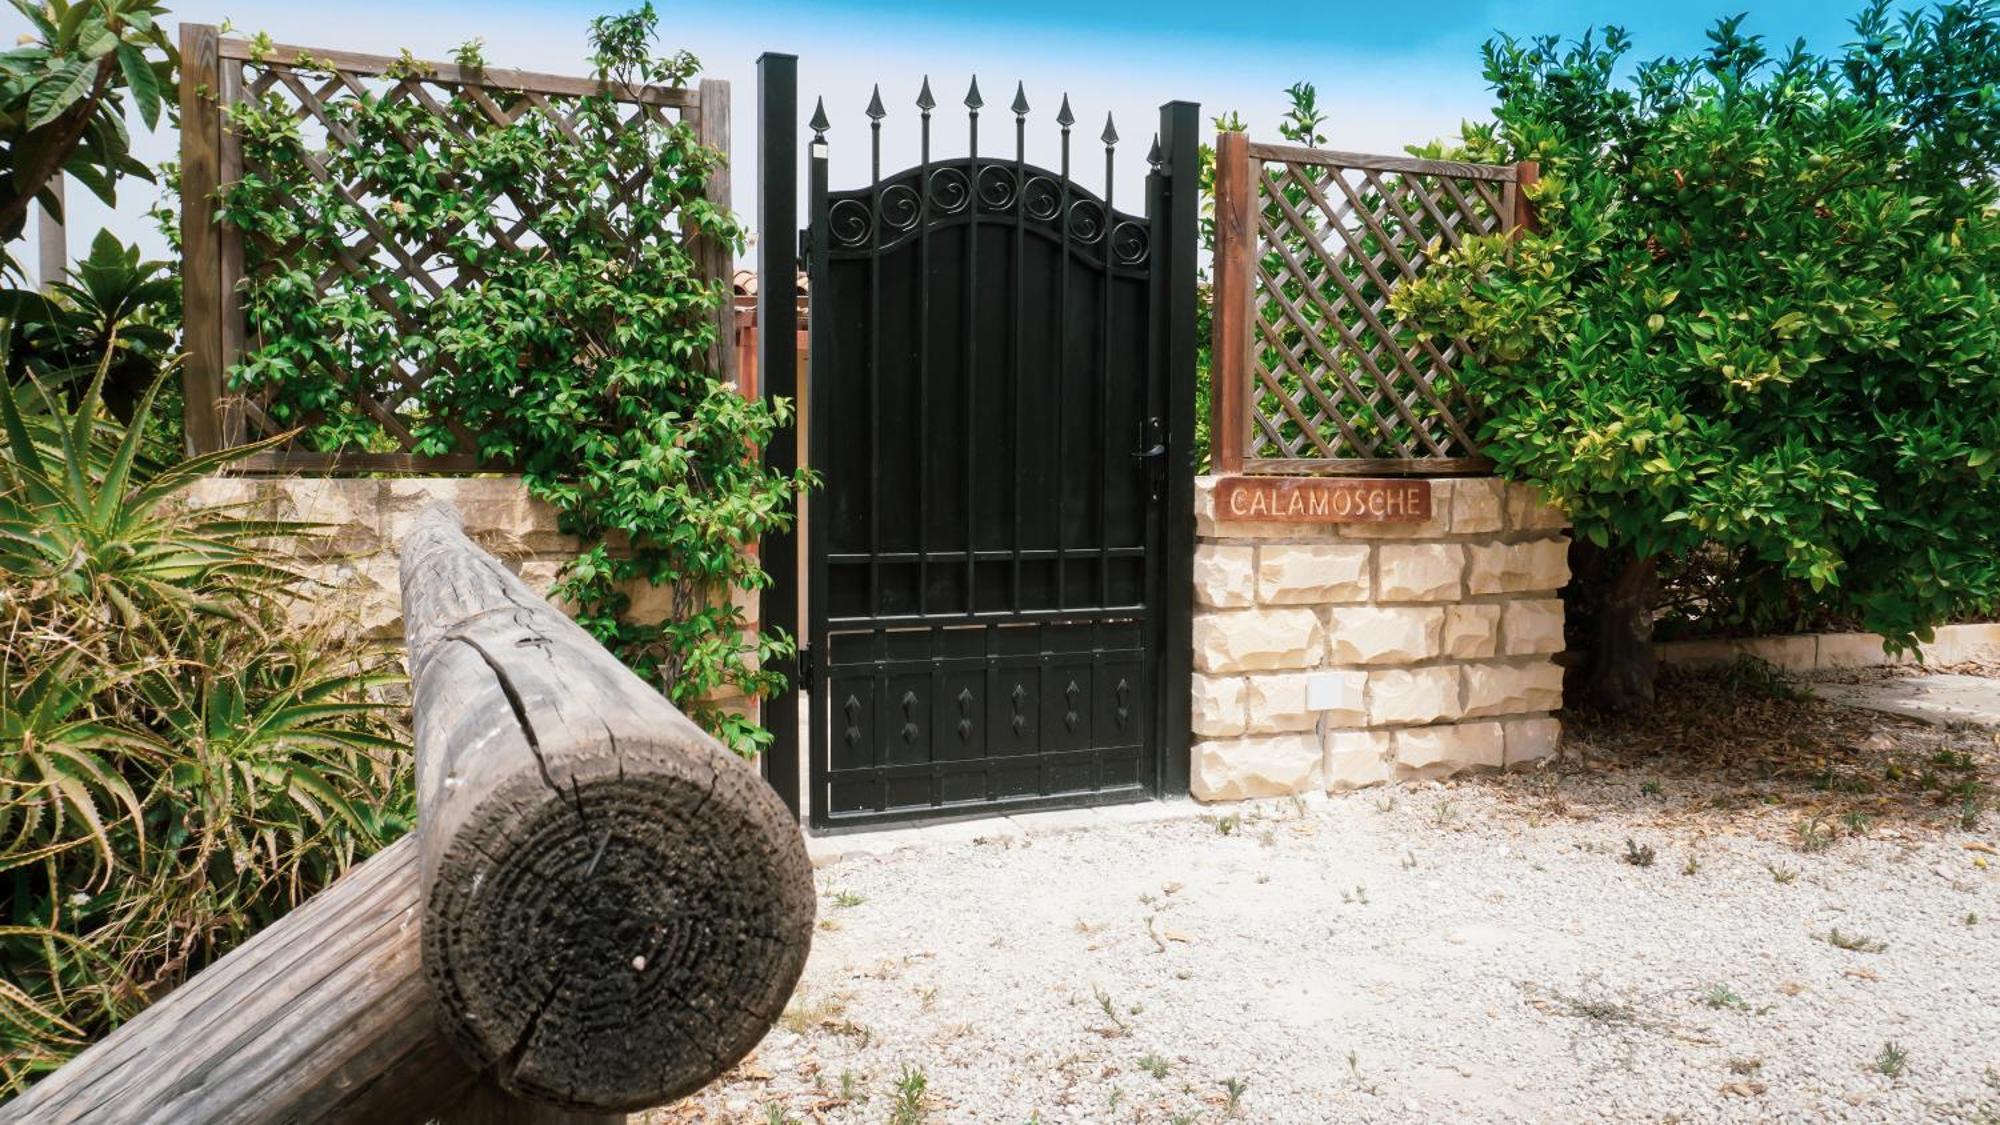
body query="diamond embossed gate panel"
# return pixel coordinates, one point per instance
(990, 408)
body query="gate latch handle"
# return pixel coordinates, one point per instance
(1156, 433)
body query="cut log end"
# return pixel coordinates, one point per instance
(635, 936)
(616, 909)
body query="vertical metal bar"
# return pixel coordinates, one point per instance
(1229, 366)
(1104, 471)
(1064, 118)
(875, 115)
(777, 366)
(1180, 137)
(201, 153)
(970, 389)
(1020, 394)
(923, 444)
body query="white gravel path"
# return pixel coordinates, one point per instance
(1469, 952)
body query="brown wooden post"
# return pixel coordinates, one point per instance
(54, 250)
(715, 255)
(1526, 174)
(201, 249)
(229, 260)
(1229, 363)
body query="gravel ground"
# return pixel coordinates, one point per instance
(1490, 950)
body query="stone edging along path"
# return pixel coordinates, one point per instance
(1817, 652)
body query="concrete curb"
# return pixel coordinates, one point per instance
(1822, 652)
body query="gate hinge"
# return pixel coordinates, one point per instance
(806, 669)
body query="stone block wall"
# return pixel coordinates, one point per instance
(363, 520)
(1331, 656)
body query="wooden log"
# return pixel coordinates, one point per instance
(615, 908)
(322, 1016)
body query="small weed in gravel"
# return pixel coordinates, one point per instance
(1649, 787)
(1971, 919)
(912, 1105)
(774, 1114)
(1691, 866)
(847, 899)
(1445, 813)
(1358, 895)
(1111, 1011)
(850, 1087)
(1354, 1077)
(1234, 1087)
(1722, 996)
(1891, 1059)
(1812, 834)
(1855, 943)
(1154, 1065)
(1639, 855)
(1782, 875)
(1227, 825)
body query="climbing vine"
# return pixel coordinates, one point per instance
(570, 340)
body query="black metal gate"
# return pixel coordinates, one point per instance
(1001, 401)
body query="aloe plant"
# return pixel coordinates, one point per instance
(180, 759)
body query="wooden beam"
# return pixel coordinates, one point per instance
(491, 77)
(322, 1016)
(615, 908)
(201, 248)
(716, 258)
(1526, 175)
(1457, 169)
(53, 250)
(1229, 356)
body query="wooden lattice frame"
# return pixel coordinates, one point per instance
(1312, 373)
(219, 72)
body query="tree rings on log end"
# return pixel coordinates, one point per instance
(617, 936)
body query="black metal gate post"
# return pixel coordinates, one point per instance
(1179, 215)
(777, 369)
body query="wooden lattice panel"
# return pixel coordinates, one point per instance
(395, 269)
(1328, 380)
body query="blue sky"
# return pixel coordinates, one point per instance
(1390, 74)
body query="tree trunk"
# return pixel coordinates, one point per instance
(1620, 592)
(615, 908)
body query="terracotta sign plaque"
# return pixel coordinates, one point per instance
(1322, 500)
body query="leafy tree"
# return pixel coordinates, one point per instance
(1760, 316)
(62, 101)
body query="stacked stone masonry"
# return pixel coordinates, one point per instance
(362, 521)
(1333, 656)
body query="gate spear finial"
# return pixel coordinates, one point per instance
(925, 101)
(1020, 106)
(972, 99)
(1110, 137)
(819, 124)
(875, 111)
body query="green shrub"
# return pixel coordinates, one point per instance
(1759, 316)
(179, 761)
(579, 355)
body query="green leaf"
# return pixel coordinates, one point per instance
(63, 88)
(144, 83)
